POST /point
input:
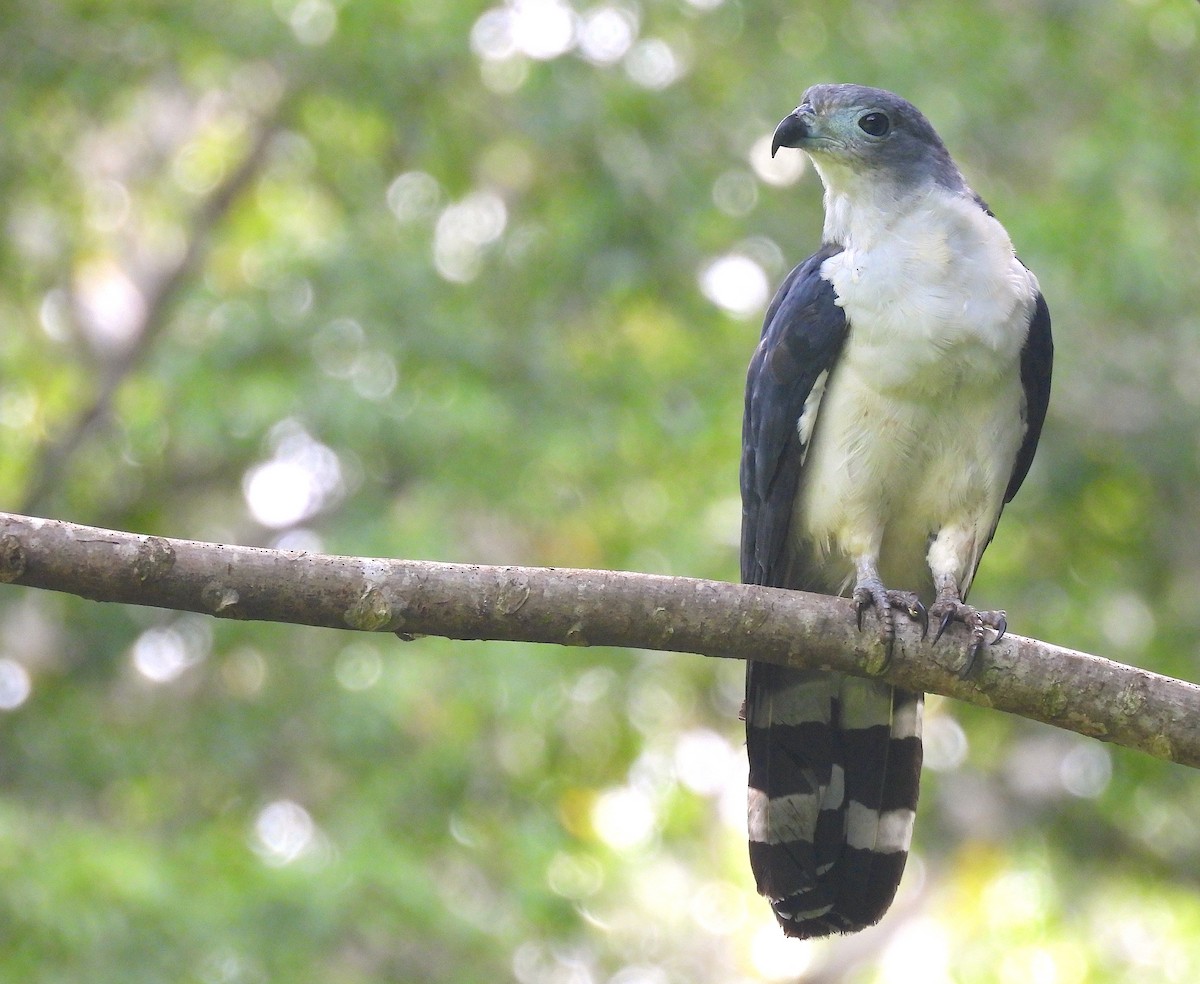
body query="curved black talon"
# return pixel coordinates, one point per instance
(945, 623)
(1001, 628)
(972, 653)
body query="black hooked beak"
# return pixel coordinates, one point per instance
(792, 131)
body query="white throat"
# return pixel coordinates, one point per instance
(860, 207)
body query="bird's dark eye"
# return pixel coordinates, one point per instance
(875, 124)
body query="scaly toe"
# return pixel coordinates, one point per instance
(912, 607)
(978, 623)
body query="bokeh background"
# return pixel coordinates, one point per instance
(477, 282)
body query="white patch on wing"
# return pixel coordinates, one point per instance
(808, 416)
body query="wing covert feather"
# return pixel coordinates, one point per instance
(803, 333)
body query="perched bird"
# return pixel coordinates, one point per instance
(893, 407)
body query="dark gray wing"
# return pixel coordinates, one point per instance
(803, 333)
(1037, 361)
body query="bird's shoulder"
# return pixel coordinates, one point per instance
(804, 319)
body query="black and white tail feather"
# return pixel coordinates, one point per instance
(835, 766)
(835, 761)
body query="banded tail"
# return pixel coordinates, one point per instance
(835, 766)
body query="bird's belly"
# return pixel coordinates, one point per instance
(889, 468)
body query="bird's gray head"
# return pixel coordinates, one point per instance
(869, 133)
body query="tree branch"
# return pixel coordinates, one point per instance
(1072, 690)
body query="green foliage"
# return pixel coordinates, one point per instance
(455, 310)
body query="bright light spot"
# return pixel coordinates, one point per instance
(653, 64)
(1030, 965)
(919, 953)
(111, 304)
(463, 230)
(163, 654)
(491, 35)
(374, 376)
(15, 685)
(1126, 620)
(735, 283)
(783, 169)
(18, 405)
(244, 672)
(1086, 770)
(54, 315)
(301, 479)
(735, 193)
(945, 743)
(722, 522)
(702, 761)
(538, 963)
(658, 877)
(732, 803)
(1014, 899)
(291, 300)
(653, 774)
(466, 834)
(624, 818)
(109, 205)
(719, 908)
(706, 4)
(280, 493)
(574, 876)
(283, 832)
(606, 34)
(414, 195)
(198, 167)
(763, 251)
(299, 539)
(312, 21)
(336, 347)
(504, 76)
(592, 685)
(358, 666)
(507, 163)
(541, 29)
(777, 957)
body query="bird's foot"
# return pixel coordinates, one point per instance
(869, 592)
(949, 608)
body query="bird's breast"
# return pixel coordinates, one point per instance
(933, 298)
(921, 420)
